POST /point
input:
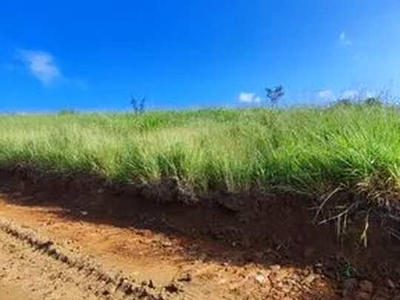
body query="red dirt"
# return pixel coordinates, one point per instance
(267, 249)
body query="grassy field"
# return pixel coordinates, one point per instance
(304, 150)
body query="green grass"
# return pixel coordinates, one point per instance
(305, 150)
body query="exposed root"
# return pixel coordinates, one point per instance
(364, 235)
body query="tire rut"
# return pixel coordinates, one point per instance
(58, 272)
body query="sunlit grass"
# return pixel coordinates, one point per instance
(307, 150)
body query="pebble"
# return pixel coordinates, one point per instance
(260, 278)
(166, 244)
(275, 267)
(309, 279)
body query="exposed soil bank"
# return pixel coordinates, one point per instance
(266, 231)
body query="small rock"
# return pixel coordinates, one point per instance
(166, 244)
(309, 279)
(275, 267)
(260, 278)
(318, 268)
(318, 265)
(366, 286)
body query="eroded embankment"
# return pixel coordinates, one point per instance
(234, 233)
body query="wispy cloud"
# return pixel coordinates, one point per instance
(41, 64)
(354, 94)
(350, 94)
(249, 98)
(357, 94)
(344, 39)
(326, 95)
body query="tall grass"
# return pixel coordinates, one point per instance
(305, 150)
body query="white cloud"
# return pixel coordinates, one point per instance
(249, 98)
(344, 39)
(326, 94)
(41, 64)
(359, 94)
(369, 94)
(349, 94)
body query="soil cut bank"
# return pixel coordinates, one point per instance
(263, 249)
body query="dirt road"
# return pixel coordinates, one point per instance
(63, 259)
(150, 260)
(28, 274)
(34, 267)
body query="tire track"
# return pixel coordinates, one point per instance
(41, 269)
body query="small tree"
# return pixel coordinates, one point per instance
(273, 94)
(138, 105)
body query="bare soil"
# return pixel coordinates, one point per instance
(266, 247)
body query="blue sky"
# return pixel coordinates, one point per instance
(93, 55)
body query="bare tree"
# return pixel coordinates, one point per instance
(273, 94)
